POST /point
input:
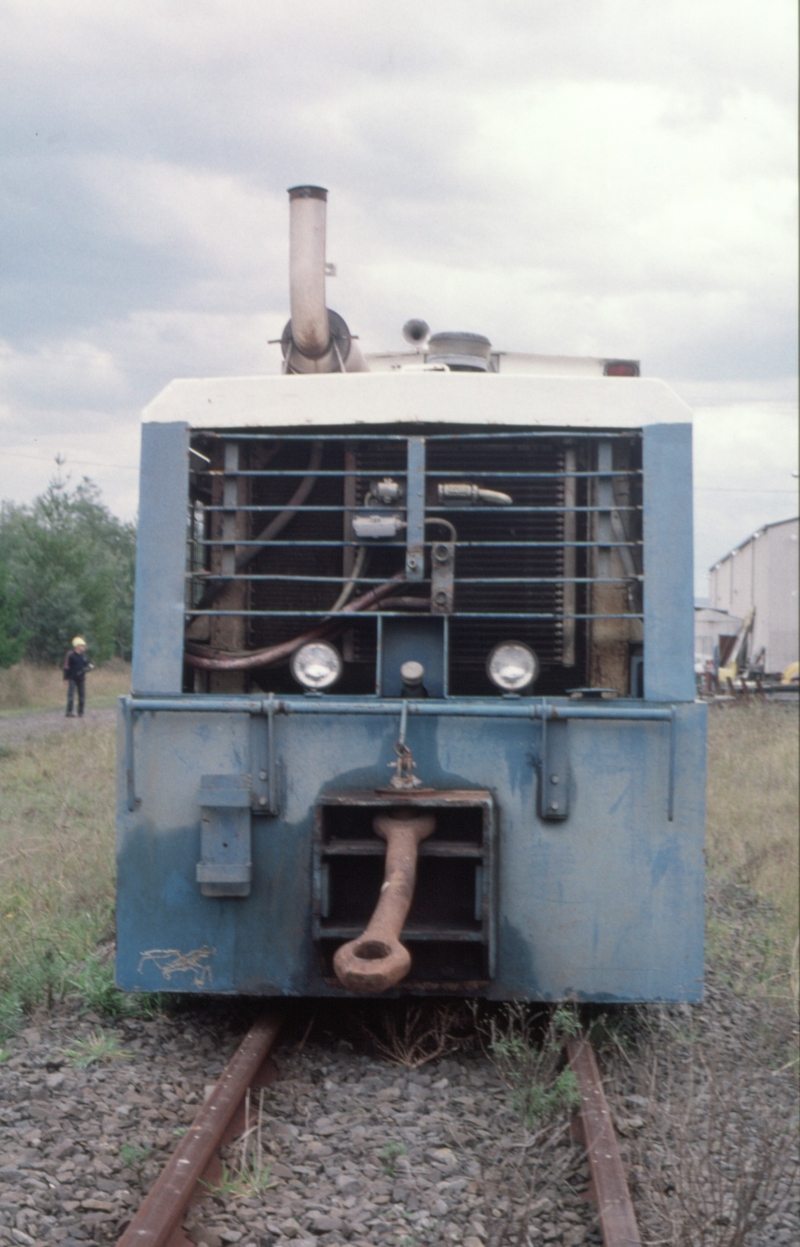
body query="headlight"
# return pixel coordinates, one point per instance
(316, 665)
(512, 666)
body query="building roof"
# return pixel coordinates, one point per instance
(793, 519)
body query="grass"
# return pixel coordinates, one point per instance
(96, 1048)
(752, 844)
(56, 870)
(29, 686)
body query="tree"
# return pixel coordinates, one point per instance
(70, 564)
(12, 638)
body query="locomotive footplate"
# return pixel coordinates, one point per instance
(450, 927)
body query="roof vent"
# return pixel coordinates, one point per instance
(462, 352)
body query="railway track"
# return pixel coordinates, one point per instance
(195, 1166)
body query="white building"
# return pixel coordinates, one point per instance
(762, 572)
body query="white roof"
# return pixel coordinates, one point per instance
(418, 397)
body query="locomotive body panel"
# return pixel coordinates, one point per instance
(604, 905)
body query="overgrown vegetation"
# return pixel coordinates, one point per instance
(97, 1048)
(67, 569)
(528, 1051)
(752, 844)
(56, 869)
(714, 1155)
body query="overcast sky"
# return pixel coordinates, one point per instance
(610, 177)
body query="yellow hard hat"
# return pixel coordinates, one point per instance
(76, 641)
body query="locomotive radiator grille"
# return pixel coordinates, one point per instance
(547, 550)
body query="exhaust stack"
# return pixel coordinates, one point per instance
(315, 339)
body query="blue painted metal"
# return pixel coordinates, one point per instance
(594, 884)
(668, 560)
(419, 639)
(604, 905)
(161, 560)
(225, 867)
(415, 509)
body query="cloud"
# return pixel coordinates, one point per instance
(601, 177)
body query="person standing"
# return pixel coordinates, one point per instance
(76, 664)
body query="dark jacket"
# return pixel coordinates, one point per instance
(75, 665)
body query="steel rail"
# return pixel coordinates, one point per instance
(609, 1183)
(157, 1222)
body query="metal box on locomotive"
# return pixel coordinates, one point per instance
(566, 858)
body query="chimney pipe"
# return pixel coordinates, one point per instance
(310, 332)
(315, 339)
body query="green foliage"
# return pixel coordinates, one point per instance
(98, 1047)
(134, 1155)
(245, 1181)
(388, 1155)
(70, 566)
(12, 638)
(92, 982)
(530, 1063)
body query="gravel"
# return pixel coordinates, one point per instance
(366, 1152)
(359, 1150)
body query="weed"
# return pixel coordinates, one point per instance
(715, 1160)
(99, 1046)
(5, 1055)
(241, 1183)
(93, 984)
(414, 1034)
(247, 1175)
(542, 1092)
(135, 1156)
(388, 1155)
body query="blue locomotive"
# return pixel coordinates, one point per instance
(412, 702)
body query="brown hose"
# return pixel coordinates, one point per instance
(218, 660)
(377, 960)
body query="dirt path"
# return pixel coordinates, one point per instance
(27, 726)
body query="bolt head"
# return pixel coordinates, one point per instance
(554, 779)
(553, 805)
(262, 774)
(262, 800)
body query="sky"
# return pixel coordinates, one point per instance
(601, 177)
